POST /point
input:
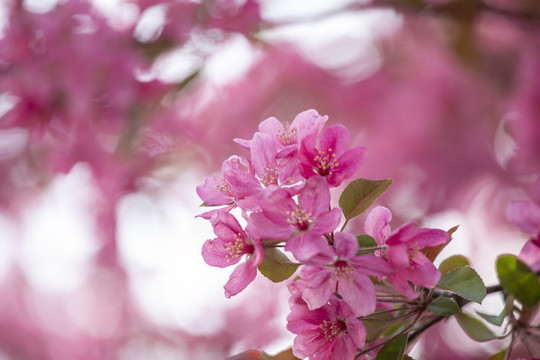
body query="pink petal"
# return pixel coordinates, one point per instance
(359, 293)
(326, 222)
(214, 253)
(335, 137)
(346, 245)
(357, 332)
(320, 287)
(429, 237)
(524, 215)
(348, 165)
(306, 247)
(377, 224)
(315, 196)
(240, 278)
(261, 227)
(308, 122)
(263, 153)
(422, 272)
(370, 264)
(210, 192)
(530, 255)
(275, 205)
(402, 286)
(398, 256)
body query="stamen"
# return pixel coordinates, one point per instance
(299, 218)
(331, 329)
(325, 162)
(286, 135)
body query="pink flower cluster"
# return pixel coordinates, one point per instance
(283, 194)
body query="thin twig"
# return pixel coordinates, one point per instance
(401, 317)
(365, 351)
(388, 311)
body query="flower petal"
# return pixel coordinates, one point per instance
(377, 224)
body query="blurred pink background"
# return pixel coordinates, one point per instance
(111, 112)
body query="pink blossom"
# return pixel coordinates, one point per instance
(231, 244)
(346, 274)
(403, 254)
(301, 223)
(330, 332)
(330, 158)
(525, 215)
(237, 185)
(306, 123)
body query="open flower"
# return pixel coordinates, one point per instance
(231, 244)
(403, 254)
(330, 158)
(328, 333)
(290, 135)
(301, 223)
(346, 274)
(238, 186)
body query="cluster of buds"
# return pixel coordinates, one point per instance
(283, 193)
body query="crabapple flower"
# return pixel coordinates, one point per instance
(237, 186)
(301, 223)
(330, 158)
(266, 165)
(231, 244)
(346, 274)
(330, 332)
(403, 253)
(525, 215)
(291, 135)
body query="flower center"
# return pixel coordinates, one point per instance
(286, 135)
(238, 247)
(299, 218)
(223, 186)
(331, 329)
(326, 162)
(412, 250)
(270, 176)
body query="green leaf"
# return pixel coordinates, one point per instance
(498, 356)
(276, 266)
(465, 282)
(444, 306)
(365, 241)
(517, 279)
(378, 324)
(475, 328)
(360, 194)
(393, 350)
(452, 263)
(494, 319)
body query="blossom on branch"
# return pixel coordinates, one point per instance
(525, 215)
(344, 273)
(331, 157)
(302, 224)
(403, 254)
(231, 244)
(330, 332)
